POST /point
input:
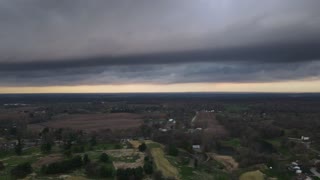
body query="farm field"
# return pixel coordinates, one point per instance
(135, 143)
(208, 122)
(163, 164)
(126, 158)
(228, 161)
(92, 122)
(253, 175)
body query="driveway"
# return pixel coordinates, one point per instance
(314, 171)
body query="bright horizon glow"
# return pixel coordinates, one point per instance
(274, 87)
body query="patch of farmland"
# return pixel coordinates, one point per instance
(208, 122)
(163, 164)
(47, 160)
(135, 143)
(12, 116)
(92, 122)
(228, 161)
(126, 158)
(253, 175)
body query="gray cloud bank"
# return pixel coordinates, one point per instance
(123, 41)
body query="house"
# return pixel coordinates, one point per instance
(295, 167)
(298, 171)
(170, 124)
(305, 138)
(163, 130)
(196, 148)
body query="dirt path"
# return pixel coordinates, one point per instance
(228, 161)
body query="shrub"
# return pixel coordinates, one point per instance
(142, 147)
(92, 170)
(86, 159)
(158, 175)
(96, 170)
(146, 158)
(18, 148)
(2, 167)
(130, 173)
(21, 170)
(106, 171)
(172, 150)
(46, 147)
(68, 153)
(118, 146)
(148, 167)
(104, 157)
(77, 149)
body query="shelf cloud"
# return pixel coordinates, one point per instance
(80, 42)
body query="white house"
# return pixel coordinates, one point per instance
(304, 138)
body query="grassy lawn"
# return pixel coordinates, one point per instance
(94, 155)
(107, 146)
(152, 144)
(253, 175)
(14, 160)
(234, 142)
(127, 159)
(275, 142)
(163, 164)
(34, 154)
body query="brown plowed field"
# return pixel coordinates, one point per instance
(208, 122)
(92, 122)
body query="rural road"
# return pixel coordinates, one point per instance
(194, 118)
(314, 171)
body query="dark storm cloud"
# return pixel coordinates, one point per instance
(272, 53)
(124, 41)
(164, 74)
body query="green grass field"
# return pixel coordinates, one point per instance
(163, 164)
(252, 175)
(234, 142)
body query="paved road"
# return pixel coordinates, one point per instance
(314, 171)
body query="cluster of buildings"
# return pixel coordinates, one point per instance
(295, 167)
(169, 125)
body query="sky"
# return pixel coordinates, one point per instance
(159, 46)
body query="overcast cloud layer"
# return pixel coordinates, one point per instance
(73, 42)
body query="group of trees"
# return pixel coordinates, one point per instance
(318, 166)
(21, 170)
(18, 146)
(2, 166)
(142, 147)
(130, 173)
(172, 150)
(148, 165)
(104, 169)
(104, 158)
(46, 140)
(96, 170)
(63, 166)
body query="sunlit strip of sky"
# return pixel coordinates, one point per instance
(289, 86)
